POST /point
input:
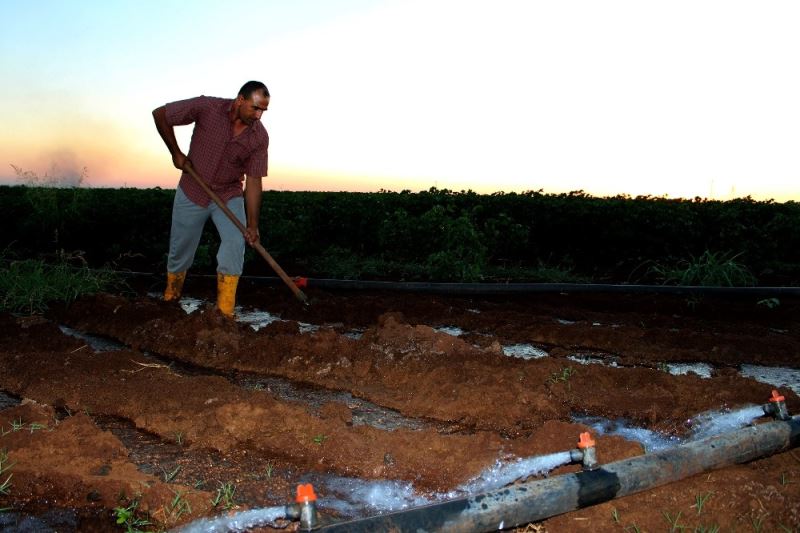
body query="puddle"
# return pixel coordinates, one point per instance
(524, 351)
(587, 359)
(355, 334)
(98, 344)
(703, 370)
(256, 319)
(774, 375)
(450, 330)
(7, 400)
(54, 520)
(364, 413)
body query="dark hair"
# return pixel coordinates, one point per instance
(250, 87)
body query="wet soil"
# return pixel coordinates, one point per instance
(193, 404)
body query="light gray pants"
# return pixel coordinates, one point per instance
(188, 220)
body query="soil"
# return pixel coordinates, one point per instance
(191, 403)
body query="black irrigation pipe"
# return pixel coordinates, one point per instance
(537, 500)
(485, 289)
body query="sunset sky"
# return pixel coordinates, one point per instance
(677, 98)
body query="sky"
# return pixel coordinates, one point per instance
(679, 98)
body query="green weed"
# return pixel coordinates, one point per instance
(34, 426)
(169, 476)
(615, 515)
(769, 303)
(673, 521)
(5, 486)
(29, 286)
(757, 523)
(224, 496)
(711, 269)
(179, 506)
(319, 439)
(126, 516)
(563, 376)
(700, 501)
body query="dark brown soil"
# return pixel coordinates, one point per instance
(166, 419)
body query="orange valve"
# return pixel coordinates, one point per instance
(305, 493)
(586, 440)
(776, 397)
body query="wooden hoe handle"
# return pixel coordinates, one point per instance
(261, 250)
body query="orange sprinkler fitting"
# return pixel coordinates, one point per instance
(586, 440)
(586, 446)
(305, 493)
(776, 406)
(306, 507)
(301, 283)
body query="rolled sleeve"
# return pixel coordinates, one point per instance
(182, 112)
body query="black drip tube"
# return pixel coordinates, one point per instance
(469, 289)
(533, 501)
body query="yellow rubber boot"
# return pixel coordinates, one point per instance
(174, 285)
(226, 293)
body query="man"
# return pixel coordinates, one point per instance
(229, 144)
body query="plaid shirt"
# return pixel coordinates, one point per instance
(221, 159)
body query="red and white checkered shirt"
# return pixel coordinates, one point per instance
(221, 159)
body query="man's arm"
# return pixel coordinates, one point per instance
(252, 199)
(167, 133)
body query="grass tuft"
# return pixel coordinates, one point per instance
(711, 269)
(28, 286)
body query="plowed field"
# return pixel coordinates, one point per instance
(184, 409)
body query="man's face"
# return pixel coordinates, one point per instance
(250, 109)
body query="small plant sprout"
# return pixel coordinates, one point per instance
(615, 515)
(769, 303)
(319, 439)
(34, 426)
(785, 479)
(757, 523)
(169, 476)
(270, 466)
(700, 500)
(179, 505)
(179, 438)
(17, 425)
(5, 486)
(224, 496)
(673, 521)
(563, 376)
(126, 516)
